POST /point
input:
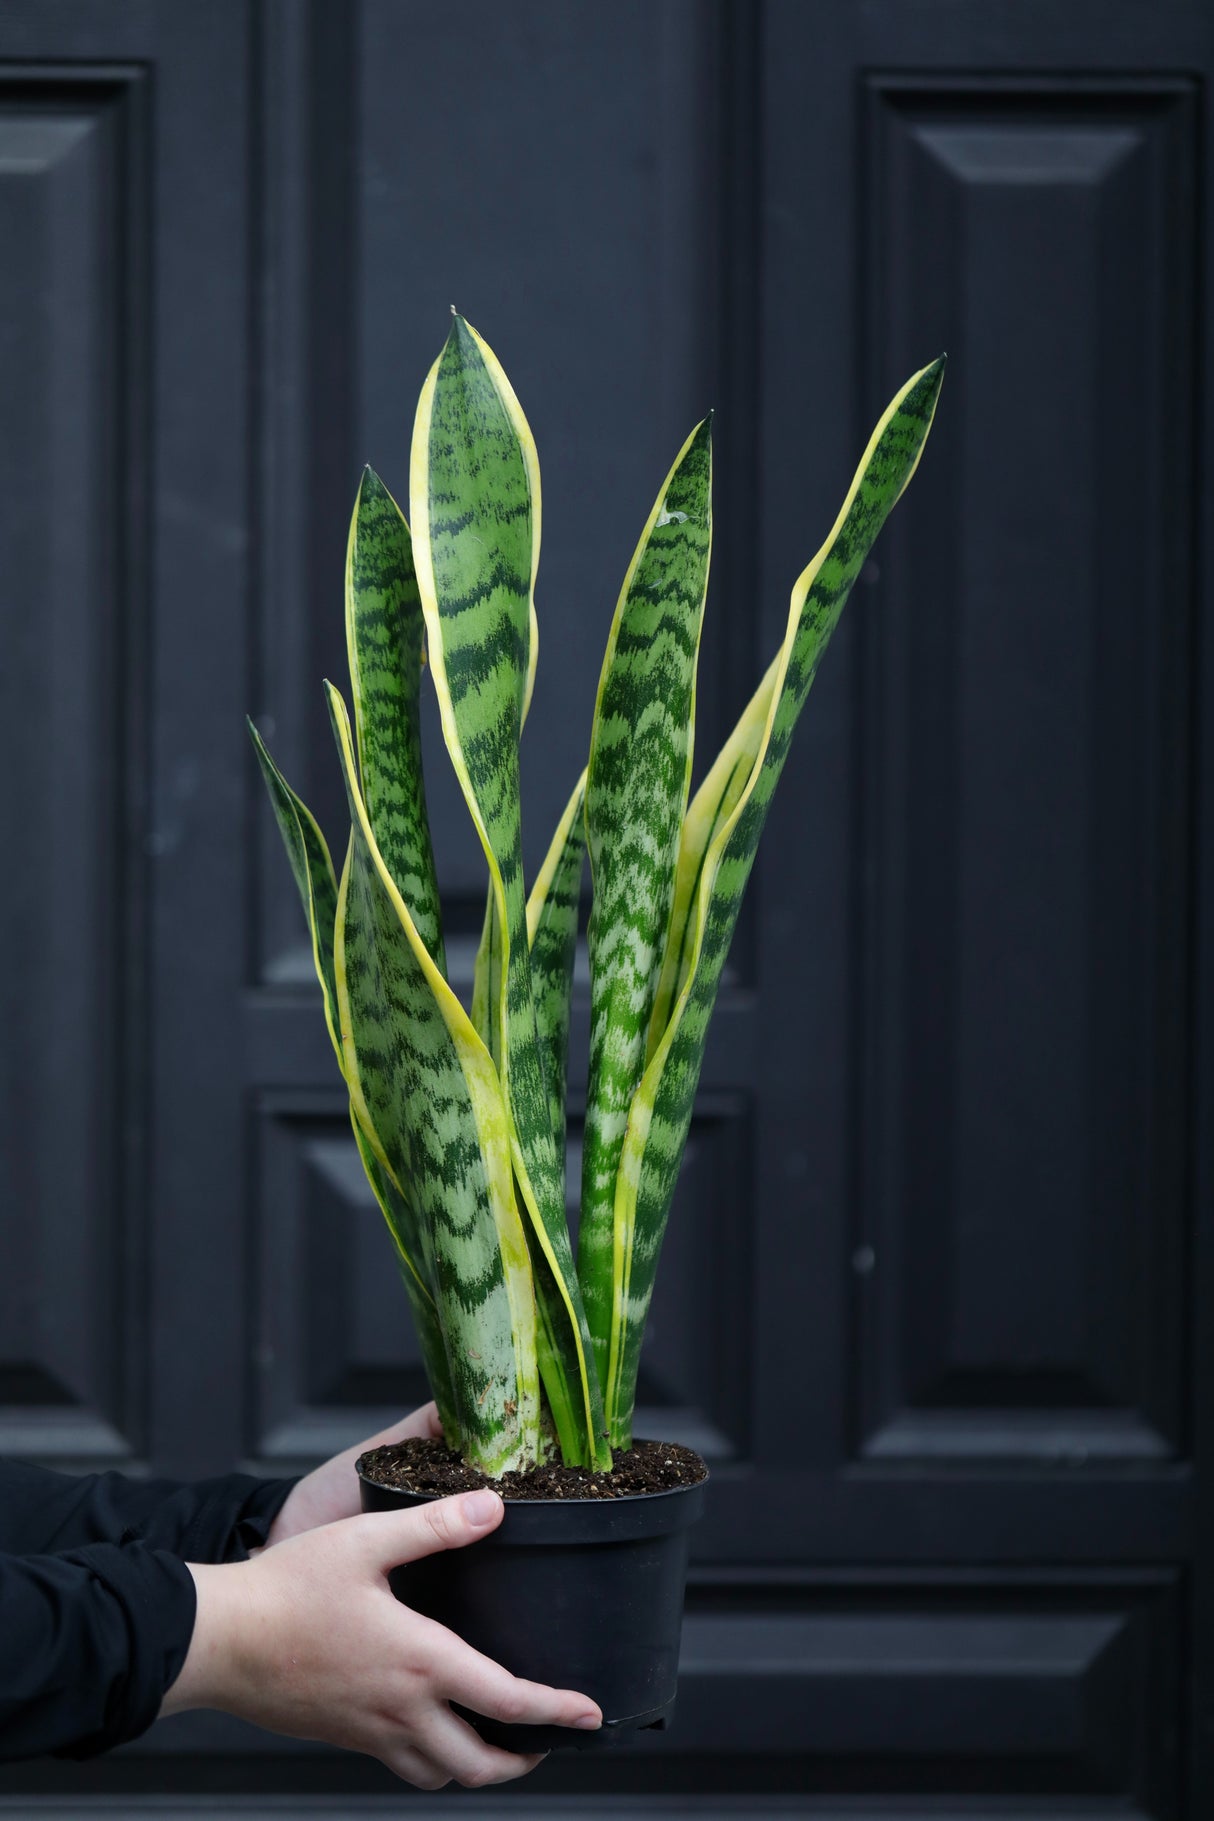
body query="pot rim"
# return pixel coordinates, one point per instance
(580, 1504)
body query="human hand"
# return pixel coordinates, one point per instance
(330, 1491)
(308, 1640)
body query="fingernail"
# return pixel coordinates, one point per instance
(589, 1722)
(481, 1509)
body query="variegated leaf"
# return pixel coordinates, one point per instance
(636, 793)
(384, 631)
(723, 830)
(401, 1217)
(436, 1107)
(475, 508)
(487, 978)
(713, 804)
(313, 869)
(552, 915)
(486, 972)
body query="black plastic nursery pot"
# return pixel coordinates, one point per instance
(578, 1593)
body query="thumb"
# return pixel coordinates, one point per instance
(406, 1536)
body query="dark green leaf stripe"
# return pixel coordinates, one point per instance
(436, 1106)
(402, 1222)
(661, 1112)
(552, 916)
(384, 631)
(636, 793)
(475, 507)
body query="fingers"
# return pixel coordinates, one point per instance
(393, 1537)
(416, 1768)
(423, 1422)
(451, 1743)
(475, 1681)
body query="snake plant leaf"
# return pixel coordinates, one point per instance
(487, 978)
(384, 634)
(437, 1109)
(313, 870)
(475, 503)
(552, 916)
(712, 805)
(402, 1221)
(474, 498)
(486, 972)
(723, 830)
(312, 866)
(636, 793)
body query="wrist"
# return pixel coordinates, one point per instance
(215, 1664)
(292, 1516)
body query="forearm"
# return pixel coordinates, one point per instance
(215, 1520)
(89, 1640)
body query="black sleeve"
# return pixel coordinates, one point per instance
(216, 1520)
(89, 1642)
(96, 1603)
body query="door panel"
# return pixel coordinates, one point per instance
(73, 376)
(1027, 744)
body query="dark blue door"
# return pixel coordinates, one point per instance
(938, 1288)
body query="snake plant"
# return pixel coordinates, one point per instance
(459, 1112)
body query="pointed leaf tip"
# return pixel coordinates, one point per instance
(371, 485)
(930, 379)
(463, 335)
